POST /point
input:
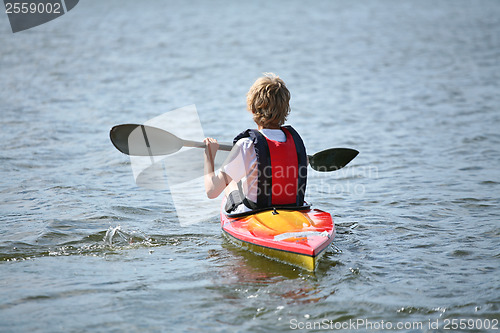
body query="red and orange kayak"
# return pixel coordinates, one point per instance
(296, 237)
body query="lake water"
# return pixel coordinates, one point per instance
(413, 85)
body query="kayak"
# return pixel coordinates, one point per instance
(298, 236)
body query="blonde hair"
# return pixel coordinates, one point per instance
(268, 100)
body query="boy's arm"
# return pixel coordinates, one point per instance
(214, 184)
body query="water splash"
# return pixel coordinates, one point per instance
(115, 236)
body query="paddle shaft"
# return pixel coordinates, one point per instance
(197, 144)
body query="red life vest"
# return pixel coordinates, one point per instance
(282, 169)
(285, 170)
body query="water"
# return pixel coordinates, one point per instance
(412, 85)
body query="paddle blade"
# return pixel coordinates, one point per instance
(143, 140)
(332, 159)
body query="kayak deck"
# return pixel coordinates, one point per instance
(294, 237)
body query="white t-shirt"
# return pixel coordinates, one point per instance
(242, 164)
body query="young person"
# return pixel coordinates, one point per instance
(268, 165)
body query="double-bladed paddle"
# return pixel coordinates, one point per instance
(143, 140)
